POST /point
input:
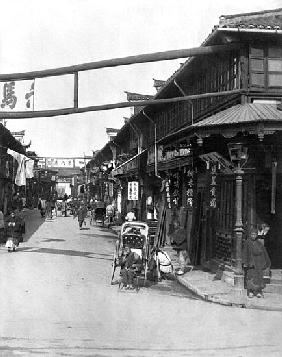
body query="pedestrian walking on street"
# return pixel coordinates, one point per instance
(64, 207)
(42, 207)
(110, 212)
(54, 205)
(255, 261)
(81, 215)
(14, 232)
(49, 209)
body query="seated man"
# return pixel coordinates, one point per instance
(130, 263)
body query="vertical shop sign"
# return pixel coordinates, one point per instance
(175, 188)
(190, 186)
(111, 189)
(213, 202)
(133, 191)
(167, 192)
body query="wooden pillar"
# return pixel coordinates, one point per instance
(239, 279)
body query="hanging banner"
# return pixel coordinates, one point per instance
(213, 184)
(17, 95)
(133, 191)
(53, 162)
(190, 186)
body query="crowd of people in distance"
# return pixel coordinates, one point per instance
(78, 207)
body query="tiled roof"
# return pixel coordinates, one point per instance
(243, 113)
(266, 20)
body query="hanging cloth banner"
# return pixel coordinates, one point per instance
(29, 169)
(25, 167)
(17, 95)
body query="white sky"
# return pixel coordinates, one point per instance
(39, 34)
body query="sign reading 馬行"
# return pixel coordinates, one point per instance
(17, 95)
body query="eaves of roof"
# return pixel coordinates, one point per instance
(242, 113)
(266, 19)
(8, 141)
(239, 114)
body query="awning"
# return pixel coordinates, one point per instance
(241, 116)
(128, 166)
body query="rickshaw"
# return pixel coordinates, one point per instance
(99, 212)
(133, 235)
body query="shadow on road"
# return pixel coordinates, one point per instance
(94, 235)
(73, 253)
(32, 221)
(53, 240)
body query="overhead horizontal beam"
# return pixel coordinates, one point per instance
(63, 157)
(95, 108)
(121, 61)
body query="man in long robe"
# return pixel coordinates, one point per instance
(255, 261)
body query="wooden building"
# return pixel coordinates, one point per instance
(215, 162)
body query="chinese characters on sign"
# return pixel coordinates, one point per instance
(9, 98)
(167, 185)
(17, 95)
(190, 186)
(133, 191)
(50, 162)
(53, 162)
(213, 202)
(175, 188)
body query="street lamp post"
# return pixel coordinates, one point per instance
(238, 155)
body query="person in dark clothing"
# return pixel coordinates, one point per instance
(130, 264)
(64, 207)
(42, 207)
(81, 215)
(14, 231)
(255, 261)
(179, 242)
(17, 202)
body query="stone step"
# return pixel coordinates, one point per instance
(273, 288)
(275, 281)
(276, 276)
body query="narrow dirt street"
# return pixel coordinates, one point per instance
(56, 299)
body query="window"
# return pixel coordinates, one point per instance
(274, 62)
(257, 67)
(266, 67)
